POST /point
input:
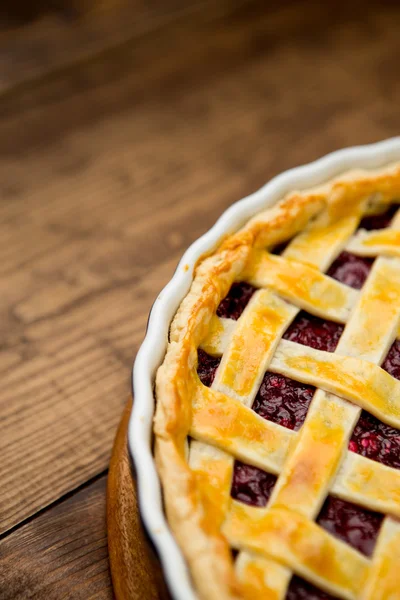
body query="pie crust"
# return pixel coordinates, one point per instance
(200, 431)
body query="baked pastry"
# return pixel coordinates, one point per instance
(278, 402)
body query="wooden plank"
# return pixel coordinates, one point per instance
(81, 264)
(62, 553)
(38, 37)
(109, 171)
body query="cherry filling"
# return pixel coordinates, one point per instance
(283, 400)
(314, 332)
(207, 366)
(371, 437)
(286, 402)
(376, 440)
(235, 302)
(352, 524)
(251, 485)
(350, 269)
(379, 221)
(391, 364)
(301, 590)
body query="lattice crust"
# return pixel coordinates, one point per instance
(281, 539)
(375, 243)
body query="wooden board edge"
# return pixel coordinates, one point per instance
(135, 570)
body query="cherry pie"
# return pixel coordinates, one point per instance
(278, 403)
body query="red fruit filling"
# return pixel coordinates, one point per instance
(301, 590)
(283, 400)
(379, 221)
(314, 332)
(376, 440)
(251, 485)
(371, 437)
(235, 302)
(207, 365)
(391, 364)
(350, 269)
(352, 524)
(286, 402)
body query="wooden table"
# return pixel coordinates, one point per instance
(109, 169)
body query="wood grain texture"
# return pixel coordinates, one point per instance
(110, 169)
(84, 169)
(135, 570)
(62, 553)
(40, 36)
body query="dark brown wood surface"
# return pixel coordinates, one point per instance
(109, 169)
(61, 553)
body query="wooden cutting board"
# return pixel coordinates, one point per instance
(135, 568)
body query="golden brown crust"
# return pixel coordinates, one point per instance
(205, 548)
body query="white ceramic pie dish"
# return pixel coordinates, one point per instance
(152, 351)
